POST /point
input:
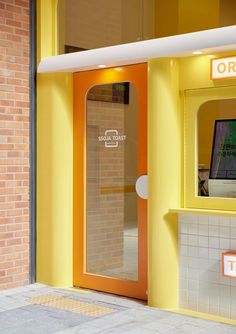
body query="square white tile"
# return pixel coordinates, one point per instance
(183, 239)
(233, 244)
(183, 228)
(214, 254)
(193, 228)
(233, 232)
(183, 250)
(203, 219)
(213, 242)
(224, 231)
(193, 240)
(193, 274)
(233, 221)
(203, 241)
(224, 243)
(192, 251)
(224, 221)
(214, 220)
(203, 230)
(213, 231)
(203, 252)
(224, 312)
(213, 277)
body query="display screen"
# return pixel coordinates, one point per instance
(223, 158)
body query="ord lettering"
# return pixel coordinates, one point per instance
(229, 67)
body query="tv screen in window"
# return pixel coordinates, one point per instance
(223, 158)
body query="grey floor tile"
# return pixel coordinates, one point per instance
(111, 321)
(81, 329)
(121, 328)
(158, 326)
(36, 319)
(220, 329)
(174, 320)
(142, 316)
(200, 322)
(185, 329)
(139, 330)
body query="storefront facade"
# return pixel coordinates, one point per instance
(186, 236)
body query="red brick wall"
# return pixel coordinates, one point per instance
(14, 143)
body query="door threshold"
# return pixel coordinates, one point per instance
(108, 297)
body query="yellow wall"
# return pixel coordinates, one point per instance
(198, 15)
(227, 12)
(198, 88)
(166, 18)
(46, 28)
(174, 17)
(195, 72)
(165, 182)
(54, 161)
(182, 16)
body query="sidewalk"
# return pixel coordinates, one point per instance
(39, 309)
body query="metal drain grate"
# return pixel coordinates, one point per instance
(71, 305)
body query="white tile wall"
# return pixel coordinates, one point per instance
(202, 240)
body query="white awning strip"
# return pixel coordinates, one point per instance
(209, 41)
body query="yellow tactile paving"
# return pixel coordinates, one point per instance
(72, 305)
(43, 299)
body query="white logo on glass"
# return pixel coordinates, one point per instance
(112, 138)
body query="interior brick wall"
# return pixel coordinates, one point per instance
(14, 142)
(105, 201)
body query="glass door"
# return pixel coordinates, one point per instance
(110, 156)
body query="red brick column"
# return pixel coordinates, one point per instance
(14, 142)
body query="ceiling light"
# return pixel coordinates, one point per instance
(197, 52)
(102, 66)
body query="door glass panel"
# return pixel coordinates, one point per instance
(111, 213)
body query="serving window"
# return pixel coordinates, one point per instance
(210, 148)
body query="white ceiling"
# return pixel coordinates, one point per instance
(208, 41)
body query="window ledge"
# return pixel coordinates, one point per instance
(203, 212)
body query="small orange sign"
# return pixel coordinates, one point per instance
(229, 264)
(223, 68)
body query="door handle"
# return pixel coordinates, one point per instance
(141, 186)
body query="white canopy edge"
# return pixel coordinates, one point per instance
(208, 41)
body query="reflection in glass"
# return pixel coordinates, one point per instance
(112, 231)
(217, 149)
(86, 25)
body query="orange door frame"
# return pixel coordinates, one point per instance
(83, 81)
